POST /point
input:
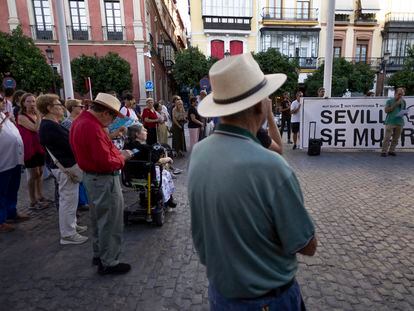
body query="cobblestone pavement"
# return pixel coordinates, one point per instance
(362, 206)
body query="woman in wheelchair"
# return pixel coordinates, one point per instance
(136, 141)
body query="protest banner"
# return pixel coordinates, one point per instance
(353, 123)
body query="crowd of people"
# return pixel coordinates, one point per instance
(37, 129)
(248, 204)
(73, 141)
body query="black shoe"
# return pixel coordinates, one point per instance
(383, 154)
(294, 147)
(392, 153)
(120, 268)
(171, 203)
(289, 142)
(96, 261)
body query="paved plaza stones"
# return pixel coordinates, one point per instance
(363, 207)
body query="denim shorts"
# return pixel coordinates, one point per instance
(289, 300)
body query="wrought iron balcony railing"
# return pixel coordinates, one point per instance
(342, 18)
(372, 61)
(76, 32)
(43, 32)
(114, 32)
(290, 14)
(365, 18)
(306, 62)
(399, 17)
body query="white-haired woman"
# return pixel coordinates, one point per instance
(55, 138)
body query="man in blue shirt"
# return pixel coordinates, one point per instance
(393, 122)
(247, 211)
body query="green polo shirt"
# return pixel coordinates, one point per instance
(247, 213)
(392, 118)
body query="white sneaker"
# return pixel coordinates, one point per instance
(81, 229)
(74, 239)
(177, 171)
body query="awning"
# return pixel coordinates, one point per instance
(344, 7)
(370, 6)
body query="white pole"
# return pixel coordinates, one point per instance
(64, 50)
(90, 87)
(327, 74)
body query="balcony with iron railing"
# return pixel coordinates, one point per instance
(78, 33)
(374, 62)
(396, 63)
(342, 19)
(306, 62)
(404, 17)
(279, 15)
(114, 32)
(399, 20)
(43, 32)
(368, 19)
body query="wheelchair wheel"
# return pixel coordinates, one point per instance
(160, 218)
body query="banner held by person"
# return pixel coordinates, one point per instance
(352, 123)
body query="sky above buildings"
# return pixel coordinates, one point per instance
(183, 8)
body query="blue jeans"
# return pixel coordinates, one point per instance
(83, 199)
(289, 300)
(9, 186)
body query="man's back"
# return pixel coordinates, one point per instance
(248, 219)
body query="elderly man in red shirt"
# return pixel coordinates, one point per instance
(101, 162)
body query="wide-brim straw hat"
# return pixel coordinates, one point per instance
(237, 84)
(109, 101)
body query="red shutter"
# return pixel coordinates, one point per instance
(217, 49)
(236, 47)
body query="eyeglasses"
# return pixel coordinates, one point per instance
(113, 114)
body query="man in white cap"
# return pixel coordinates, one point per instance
(101, 162)
(247, 211)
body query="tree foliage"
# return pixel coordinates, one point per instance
(358, 77)
(272, 61)
(107, 73)
(25, 62)
(405, 77)
(191, 66)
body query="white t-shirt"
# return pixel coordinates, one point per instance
(132, 114)
(165, 111)
(295, 117)
(11, 142)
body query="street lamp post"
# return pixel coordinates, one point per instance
(385, 60)
(50, 57)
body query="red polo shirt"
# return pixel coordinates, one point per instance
(93, 150)
(150, 115)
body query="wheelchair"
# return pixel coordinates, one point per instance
(141, 176)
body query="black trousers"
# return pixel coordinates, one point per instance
(151, 135)
(285, 122)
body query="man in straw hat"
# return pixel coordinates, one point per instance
(101, 162)
(247, 212)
